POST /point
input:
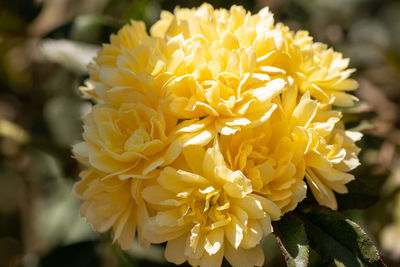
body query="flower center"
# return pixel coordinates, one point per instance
(137, 140)
(210, 208)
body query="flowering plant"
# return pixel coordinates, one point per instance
(208, 131)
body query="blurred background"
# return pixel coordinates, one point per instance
(44, 48)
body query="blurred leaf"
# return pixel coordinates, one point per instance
(339, 241)
(298, 12)
(10, 188)
(43, 168)
(74, 56)
(358, 107)
(57, 219)
(360, 33)
(390, 234)
(393, 57)
(9, 22)
(364, 125)
(78, 255)
(10, 250)
(60, 75)
(63, 118)
(136, 10)
(124, 259)
(95, 29)
(154, 253)
(349, 118)
(13, 131)
(389, 238)
(292, 239)
(15, 14)
(87, 28)
(25, 9)
(139, 256)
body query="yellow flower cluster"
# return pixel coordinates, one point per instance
(210, 127)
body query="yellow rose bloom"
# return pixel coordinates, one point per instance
(302, 138)
(217, 76)
(112, 203)
(203, 65)
(206, 211)
(271, 159)
(123, 146)
(124, 64)
(207, 128)
(314, 67)
(129, 141)
(329, 151)
(328, 163)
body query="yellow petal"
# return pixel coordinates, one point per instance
(251, 206)
(322, 193)
(174, 251)
(234, 232)
(104, 163)
(254, 232)
(244, 257)
(272, 88)
(214, 260)
(173, 151)
(343, 99)
(200, 138)
(179, 180)
(214, 241)
(127, 235)
(159, 196)
(304, 112)
(194, 156)
(317, 160)
(269, 207)
(159, 234)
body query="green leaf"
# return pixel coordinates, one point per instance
(339, 241)
(363, 191)
(292, 240)
(359, 197)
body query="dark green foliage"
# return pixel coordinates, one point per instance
(292, 239)
(338, 240)
(72, 255)
(363, 192)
